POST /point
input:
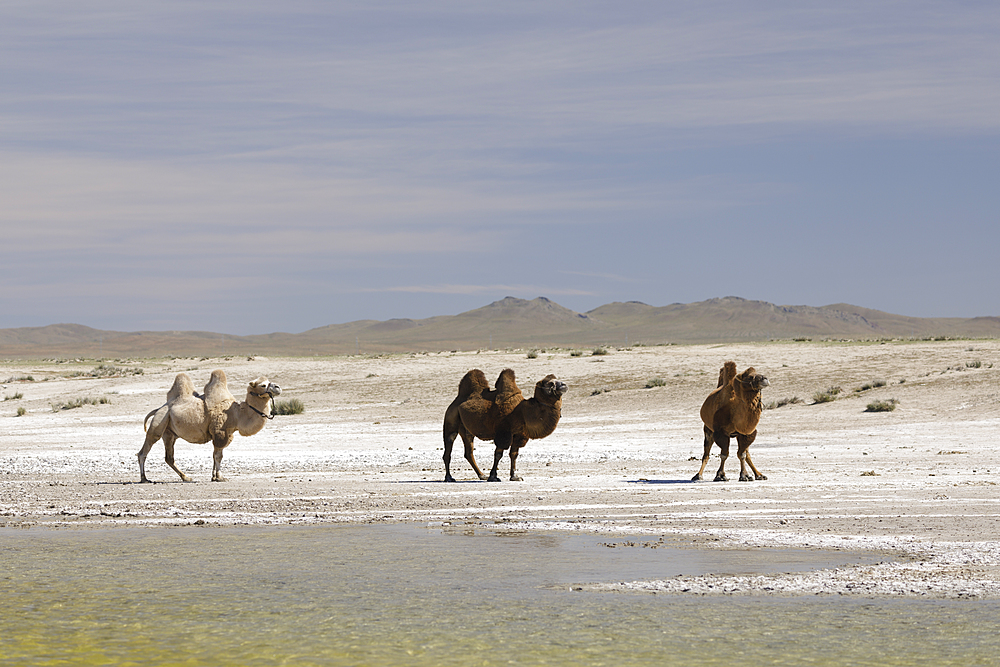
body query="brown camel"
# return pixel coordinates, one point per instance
(215, 416)
(733, 409)
(501, 415)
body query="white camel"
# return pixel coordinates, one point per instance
(215, 416)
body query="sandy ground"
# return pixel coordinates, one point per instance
(918, 483)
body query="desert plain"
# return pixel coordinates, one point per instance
(918, 484)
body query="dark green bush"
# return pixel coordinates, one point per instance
(292, 406)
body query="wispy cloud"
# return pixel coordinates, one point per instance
(193, 137)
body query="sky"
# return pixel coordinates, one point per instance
(249, 167)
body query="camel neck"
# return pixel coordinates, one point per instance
(252, 419)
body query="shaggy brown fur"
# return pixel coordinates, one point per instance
(215, 416)
(733, 409)
(501, 415)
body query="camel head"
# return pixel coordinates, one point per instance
(262, 392)
(261, 387)
(751, 380)
(549, 389)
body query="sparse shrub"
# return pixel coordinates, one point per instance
(110, 370)
(870, 473)
(21, 412)
(826, 396)
(782, 402)
(80, 402)
(106, 371)
(533, 354)
(974, 364)
(597, 392)
(887, 405)
(870, 385)
(14, 397)
(599, 352)
(292, 406)
(20, 378)
(655, 382)
(576, 353)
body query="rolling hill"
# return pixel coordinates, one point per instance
(511, 323)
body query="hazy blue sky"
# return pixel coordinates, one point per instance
(249, 167)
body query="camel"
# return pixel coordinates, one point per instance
(214, 416)
(733, 409)
(501, 415)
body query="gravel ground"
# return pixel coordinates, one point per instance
(917, 483)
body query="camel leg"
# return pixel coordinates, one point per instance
(722, 440)
(515, 449)
(513, 464)
(156, 430)
(217, 464)
(704, 459)
(468, 439)
(168, 446)
(497, 455)
(151, 438)
(744, 454)
(503, 440)
(449, 441)
(220, 442)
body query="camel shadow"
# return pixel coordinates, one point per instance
(440, 481)
(659, 481)
(131, 483)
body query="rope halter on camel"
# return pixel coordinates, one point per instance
(270, 398)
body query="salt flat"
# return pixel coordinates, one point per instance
(918, 483)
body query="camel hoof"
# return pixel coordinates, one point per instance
(449, 478)
(746, 478)
(721, 477)
(761, 476)
(144, 481)
(220, 478)
(493, 478)
(516, 478)
(698, 478)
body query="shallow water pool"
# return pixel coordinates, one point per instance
(462, 595)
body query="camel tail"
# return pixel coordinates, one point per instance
(151, 413)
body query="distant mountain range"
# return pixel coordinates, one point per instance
(511, 323)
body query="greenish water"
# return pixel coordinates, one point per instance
(391, 595)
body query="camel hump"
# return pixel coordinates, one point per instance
(217, 391)
(218, 377)
(507, 393)
(182, 387)
(506, 384)
(727, 373)
(473, 383)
